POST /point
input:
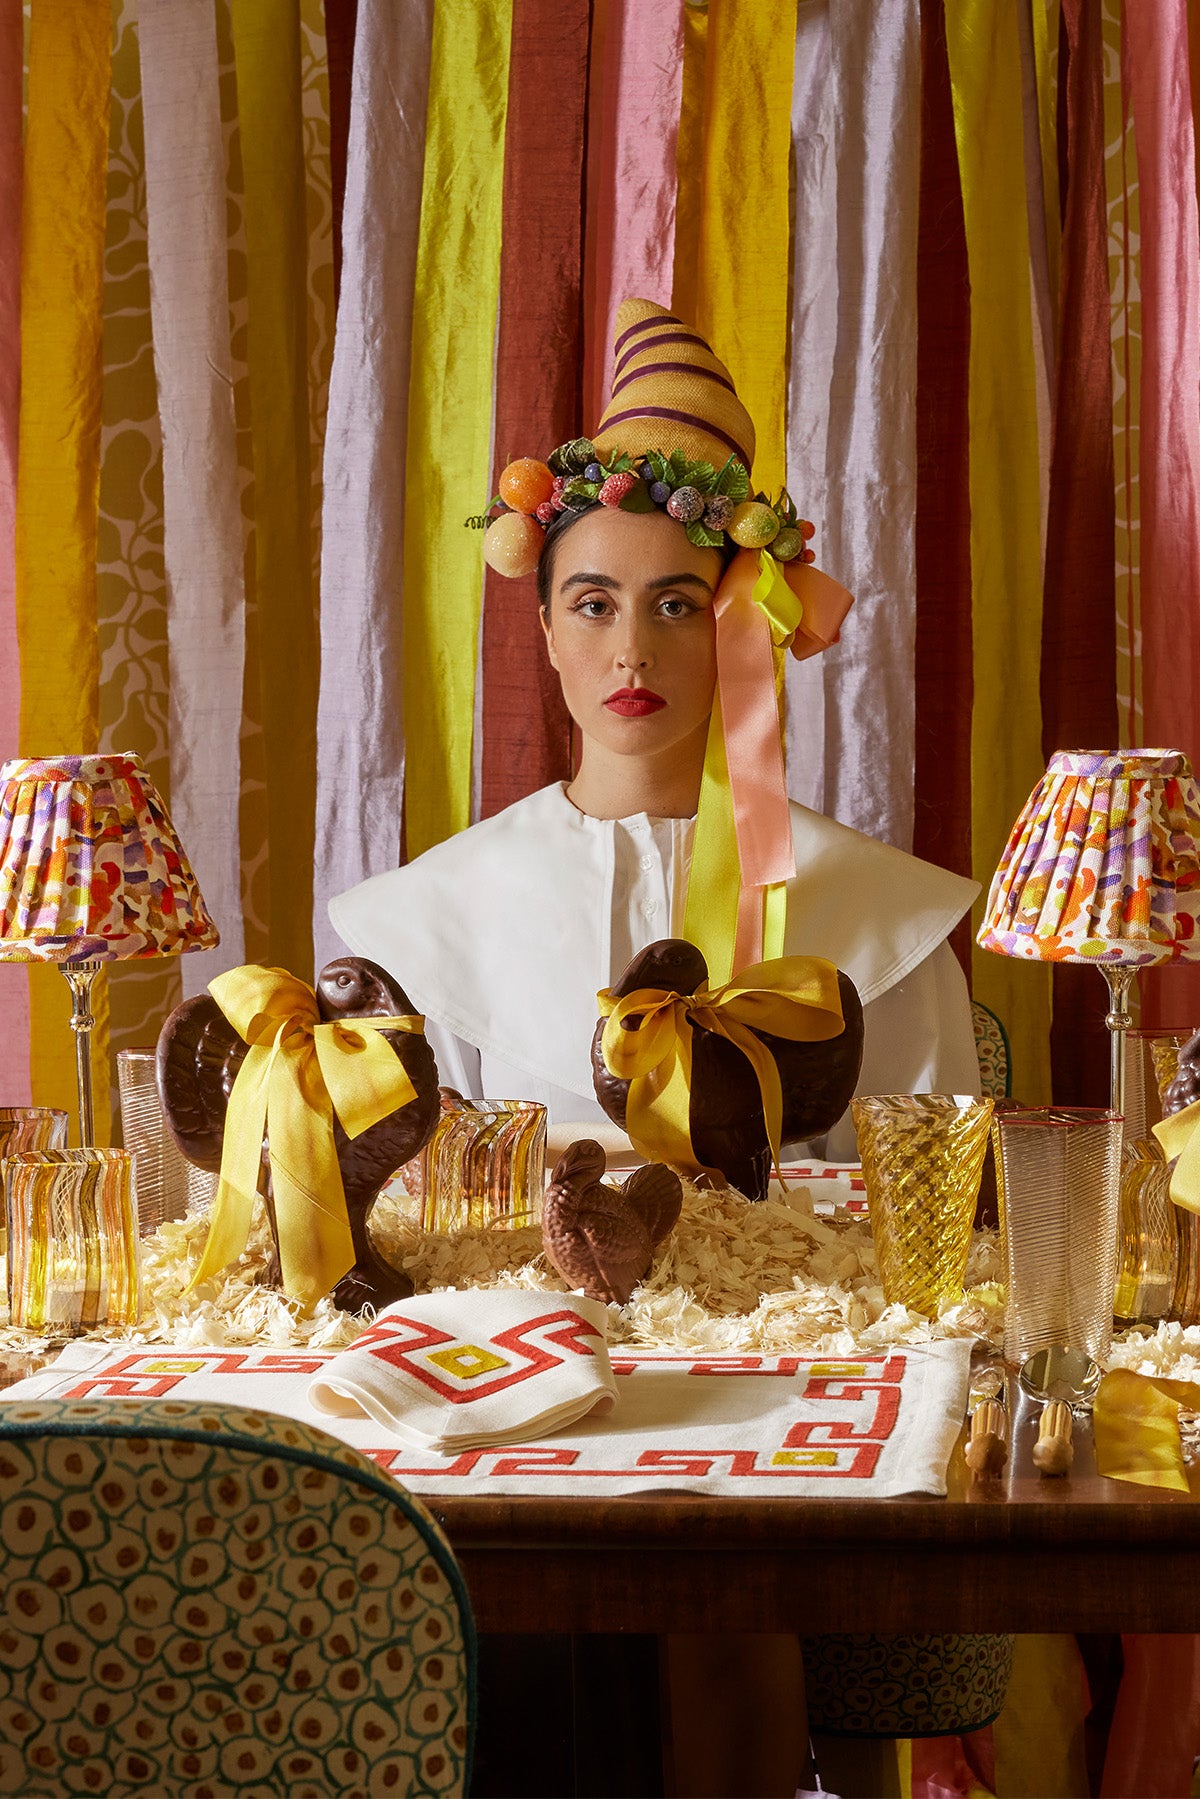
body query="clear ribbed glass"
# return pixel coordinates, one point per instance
(28, 1127)
(922, 1157)
(1058, 1182)
(1151, 1063)
(484, 1165)
(168, 1185)
(72, 1239)
(1147, 1238)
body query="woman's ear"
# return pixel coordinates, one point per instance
(548, 629)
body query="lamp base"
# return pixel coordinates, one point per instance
(1118, 1020)
(79, 978)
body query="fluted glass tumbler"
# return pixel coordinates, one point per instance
(484, 1165)
(1058, 1181)
(72, 1239)
(922, 1157)
(28, 1127)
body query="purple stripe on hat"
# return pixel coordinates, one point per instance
(668, 337)
(681, 418)
(669, 368)
(659, 318)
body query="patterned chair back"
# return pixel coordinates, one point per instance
(995, 1055)
(201, 1600)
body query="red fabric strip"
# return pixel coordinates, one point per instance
(1079, 647)
(942, 813)
(1156, 55)
(526, 731)
(341, 17)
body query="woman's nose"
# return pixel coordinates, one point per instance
(635, 652)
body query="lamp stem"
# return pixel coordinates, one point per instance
(1118, 1021)
(80, 976)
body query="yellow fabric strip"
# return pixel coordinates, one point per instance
(1038, 1737)
(689, 162)
(58, 486)
(747, 149)
(1006, 574)
(1136, 1426)
(1124, 229)
(453, 332)
(266, 42)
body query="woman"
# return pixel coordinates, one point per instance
(504, 934)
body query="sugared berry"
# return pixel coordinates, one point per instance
(718, 511)
(556, 494)
(808, 555)
(525, 484)
(660, 492)
(616, 487)
(686, 504)
(593, 472)
(512, 544)
(806, 530)
(754, 525)
(647, 472)
(546, 512)
(787, 545)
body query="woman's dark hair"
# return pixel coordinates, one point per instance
(557, 529)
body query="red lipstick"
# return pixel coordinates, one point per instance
(634, 702)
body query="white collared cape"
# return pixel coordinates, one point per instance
(503, 934)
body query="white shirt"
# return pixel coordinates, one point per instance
(504, 934)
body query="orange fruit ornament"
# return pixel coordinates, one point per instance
(525, 484)
(512, 544)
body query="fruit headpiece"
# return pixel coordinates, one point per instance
(669, 388)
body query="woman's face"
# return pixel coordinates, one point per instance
(630, 629)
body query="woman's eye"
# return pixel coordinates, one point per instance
(675, 608)
(595, 607)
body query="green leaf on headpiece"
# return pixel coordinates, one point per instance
(658, 464)
(677, 468)
(579, 492)
(638, 499)
(557, 462)
(579, 453)
(699, 534)
(620, 465)
(733, 481)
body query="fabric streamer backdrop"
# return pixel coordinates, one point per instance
(948, 248)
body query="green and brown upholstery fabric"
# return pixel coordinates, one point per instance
(905, 1686)
(199, 1600)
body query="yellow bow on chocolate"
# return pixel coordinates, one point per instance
(297, 1074)
(1180, 1138)
(647, 1041)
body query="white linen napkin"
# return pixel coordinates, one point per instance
(473, 1368)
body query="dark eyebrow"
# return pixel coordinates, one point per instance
(684, 580)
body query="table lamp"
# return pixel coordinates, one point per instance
(1103, 866)
(91, 870)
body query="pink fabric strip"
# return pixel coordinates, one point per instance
(1154, 1736)
(14, 988)
(637, 82)
(751, 719)
(1156, 53)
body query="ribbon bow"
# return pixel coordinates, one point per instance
(647, 1041)
(1180, 1137)
(736, 905)
(297, 1074)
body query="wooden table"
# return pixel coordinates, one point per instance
(1019, 1553)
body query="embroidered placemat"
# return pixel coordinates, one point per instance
(753, 1425)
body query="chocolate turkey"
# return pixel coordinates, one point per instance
(199, 1054)
(603, 1238)
(726, 1121)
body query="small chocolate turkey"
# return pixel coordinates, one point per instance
(603, 1238)
(726, 1121)
(199, 1054)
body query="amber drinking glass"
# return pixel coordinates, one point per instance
(1058, 1179)
(72, 1239)
(484, 1165)
(28, 1127)
(922, 1157)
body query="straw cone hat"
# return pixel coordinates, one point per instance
(670, 392)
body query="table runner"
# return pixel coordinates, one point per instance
(749, 1425)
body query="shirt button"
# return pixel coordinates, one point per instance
(649, 908)
(646, 863)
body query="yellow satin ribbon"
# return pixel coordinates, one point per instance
(647, 1041)
(297, 1074)
(1180, 1138)
(1135, 1423)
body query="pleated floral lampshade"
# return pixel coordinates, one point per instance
(90, 866)
(1103, 865)
(91, 870)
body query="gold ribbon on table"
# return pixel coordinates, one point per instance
(1135, 1424)
(1180, 1138)
(297, 1074)
(647, 1041)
